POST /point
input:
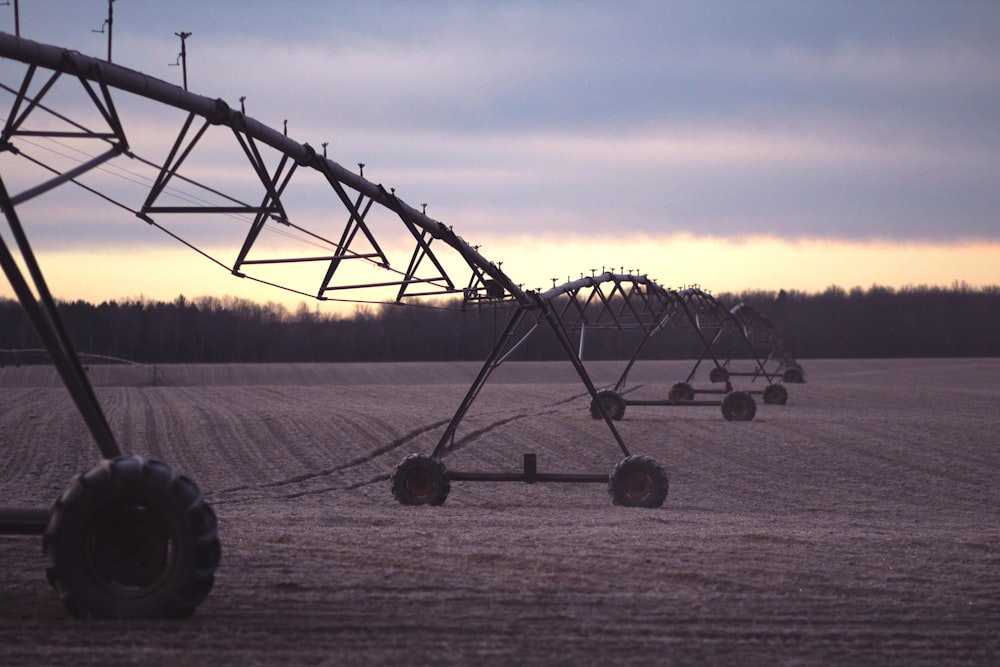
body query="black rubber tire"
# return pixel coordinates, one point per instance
(718, 374)
(132, 538)
(613, 403)
(638, 481)
(681, 391)
(775, 394)
(738, 406)
(420, 479)
(793, 375)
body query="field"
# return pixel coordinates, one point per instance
(858, 524)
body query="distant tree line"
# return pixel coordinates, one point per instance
(875, 322)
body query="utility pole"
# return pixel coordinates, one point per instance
(182, 57)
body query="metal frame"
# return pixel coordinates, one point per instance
(488, 284)
(632, 302)
(688, 310)
(709, 315)
(771, 348)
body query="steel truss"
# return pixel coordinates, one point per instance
(768, 345)
(35, 115)
(718, 327)
(658, 309)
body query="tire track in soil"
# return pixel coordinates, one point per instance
(477, 434)
(175, 420)
(399, 443)
(363, 459)
(45, 442)
(820, 443)
(167, 430)
(726, 578)
(20, 411)
(329, 471)
(551, 408)
(302, 448)
(253, 441)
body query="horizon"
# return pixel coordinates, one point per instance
(226, 301)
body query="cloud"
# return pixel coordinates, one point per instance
(589, 120)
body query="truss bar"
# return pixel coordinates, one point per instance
(45, 318)
(257, 162)
(173, 161)
(355, 223)
(667, 401)
(14, 122)
(391, 283)
(572, 301)
(522, 477)
(65, 134)
(423, 248)
(443, 290)
(633, 291)
(218, 112)
(518, 344)
(581, 283)
(620, 385)
(273, 192)
(21, 94)
(204, 209)
(604, 300)
(567, 345)
(23, 521)
(725, 321)
(73, 173)
(706, 348)
(605, 305)
(77, 183)
(107, 107)
(84, 132)
(489, 365)
(324, 258)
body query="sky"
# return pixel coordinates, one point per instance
(732, 145)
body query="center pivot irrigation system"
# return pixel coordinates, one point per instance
(696, 311)
(767, 345)
(133, 537)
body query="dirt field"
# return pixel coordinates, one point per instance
(858, 524)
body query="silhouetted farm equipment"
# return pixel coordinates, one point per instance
(768, 345)
(724, 342)
(134, 537)
(666, 310)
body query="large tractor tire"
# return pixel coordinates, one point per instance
(738, 406)
(420, 479)
(775, 394)
(132, 538)
(613, 402)
(718, 375)
(794, 375)
(638, 481)
(681, 391)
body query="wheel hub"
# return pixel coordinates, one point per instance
(420, 483)
(128, 545)
(638, 485)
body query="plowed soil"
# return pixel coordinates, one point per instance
(858, 524)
